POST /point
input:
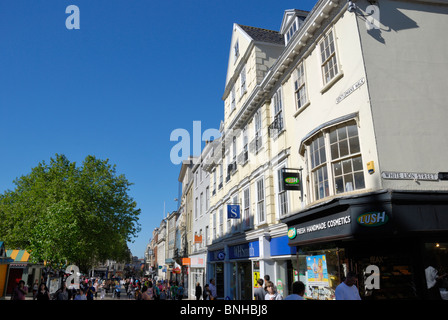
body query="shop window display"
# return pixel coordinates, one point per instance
(436, 270)
(320, 271)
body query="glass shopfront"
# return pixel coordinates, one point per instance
(436, 256)
(320, 269)
(241, 281)
(388, 265)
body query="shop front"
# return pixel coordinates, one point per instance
(241, 262)
(216, 261)
(197, 275)
(285, 264)
(388, 238)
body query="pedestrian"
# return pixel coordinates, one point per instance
(272, 292)
(117, 289)
(266, 279)
(298, 290)
(213, 292)
(145, 293)
(95, 285)
(80, 294)
(62, 292)
(206, 294)
(259, 292)
(198, 292)
(156, 291)
(19, 291)
(35, 289)
(138, 293)
(103, 290)
(347, 289)
(90, 290)
(42, 293)
(173, 291)
(180, 291)
(432, 281)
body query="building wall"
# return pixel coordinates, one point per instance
(323, 106)
(405, 62)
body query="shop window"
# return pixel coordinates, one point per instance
(320, 271)
(436, 265)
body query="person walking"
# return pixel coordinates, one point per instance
(298, 290)
(206, 294)
(90, 290)
(347, 289)
(80, 294)
(35, 289)
(42, 293)
(198, 292)
(213, 292)
(173, 291)
(259, 292)
(19, 291)
(145, 293)
(62, 293)
(180, 292)
(272, 292)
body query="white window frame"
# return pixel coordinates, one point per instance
(301, 97)
(232, 99)
(214, 224)
(258, 124)
(196, 208)
(207, 198)
(277, 111)
(260, 201)
(201, 204)
(329, 59)
(245, 209)
(220, 222)
(243, 84)
(291, 30)
(281, 204)
(352, 158)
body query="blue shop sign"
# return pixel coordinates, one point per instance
(245, 250)
(280, 247)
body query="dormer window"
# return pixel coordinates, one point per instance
(292, 29)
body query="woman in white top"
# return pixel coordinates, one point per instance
(272, 293)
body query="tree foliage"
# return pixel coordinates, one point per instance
(63, 213)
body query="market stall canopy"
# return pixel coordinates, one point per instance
(19, 256)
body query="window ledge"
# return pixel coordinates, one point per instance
(332, 82)
(301, 109)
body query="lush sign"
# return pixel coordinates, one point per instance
(291, 180)
(373, 219)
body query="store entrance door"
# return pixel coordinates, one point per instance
(245, 281)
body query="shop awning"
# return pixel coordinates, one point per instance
(19, 256)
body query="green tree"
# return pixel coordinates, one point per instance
(68, 214)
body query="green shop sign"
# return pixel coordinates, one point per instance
(291, 180)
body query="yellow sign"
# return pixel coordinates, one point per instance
(256, 277)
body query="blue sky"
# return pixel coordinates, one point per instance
(116, 88)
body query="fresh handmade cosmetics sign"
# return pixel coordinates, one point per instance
(329, 224)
